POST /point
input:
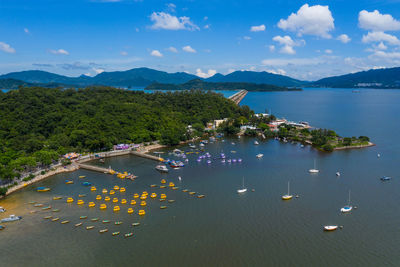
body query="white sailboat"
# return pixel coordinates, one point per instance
(288, 195)
(348, 207)
(243, 189)
(314, 170)
(259, 155)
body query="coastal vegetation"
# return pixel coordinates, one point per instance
(198, 84)
(37, 125)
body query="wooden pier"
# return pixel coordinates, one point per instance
(238, 96)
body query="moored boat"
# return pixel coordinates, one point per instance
(162, 168)
(288, 196)
(42, 189)
(12, 218)
(128, 234)
(103, 231)
(330, 228)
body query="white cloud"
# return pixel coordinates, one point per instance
(277, 71)
(247, 37)
(156, 53)
(310, 20)
(207, 26)
(344, 38)
(124, 53)
(59, 52)
(98, 71)
(381, 46)
(6, 48)
(171, 7)
(167, 21)
(188, 49)
(271, 48)
(375, 37)
(172, 49)
(209, 73)
(205, 18)
(259, 28)
(287, 44)
(328, 51)
(376, 21)
(26, 30)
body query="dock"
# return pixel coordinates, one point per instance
(238, 96)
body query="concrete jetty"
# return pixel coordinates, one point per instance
(238, 96)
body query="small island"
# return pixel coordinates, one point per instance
(198, 84)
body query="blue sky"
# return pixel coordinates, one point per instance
(302, 39)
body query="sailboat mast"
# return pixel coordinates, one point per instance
(288, 187)
(349, 197)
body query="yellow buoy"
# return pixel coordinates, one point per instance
(107, 198)
(91, 204)
(143, 203)
(143, 197)
(142, 212)
(112, 192)
(104, 191)
(82, 176)
(130, 210)
(163, 196)
(98, 197)
(171, 184)
(103, 206)
(116, 208)
(123, 201)
(163, 181)
(93, 188)
(145, 193)
(133, 202)
(70, 200)
(80, 202)
(122, 189)
(116, 187)
(136, 196)
(115, 200)
(153, 195)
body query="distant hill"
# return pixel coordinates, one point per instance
(198, 84)
(379, 78)
(256, 77)
(12, 84)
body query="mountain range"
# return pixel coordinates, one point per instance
(142, 77)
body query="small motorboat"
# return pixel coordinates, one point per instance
(94, 219)
(78, 224)
(128, 234)
(163, 207)
(200, 196)
(103, 231)
(89, 227)
(135, 224)
(256, 142)
(83, 217)
(118, 223)
(162, 168)
(115, 233)
(38, 205)
(379, 155)
(46, 208)
(55, 210)
(12, 218)
(69, 182)
(47, 217)
(64, 222)
(171, 200)
(106, 221)
(55, 219)
(330, 228)
(57, 198)
(338, 174)
(386, 178)
(82, 195)
(153, 185)
(82, 176)
(86, 184)
(42, 189)
(2, 227)
(2, 209)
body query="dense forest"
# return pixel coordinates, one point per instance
(202, 85)
(37, 125)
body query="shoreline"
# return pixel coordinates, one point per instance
(370, 144)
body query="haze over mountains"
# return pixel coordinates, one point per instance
(141, 77)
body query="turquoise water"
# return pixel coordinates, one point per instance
(224, 228)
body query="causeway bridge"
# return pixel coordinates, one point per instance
(238, 96)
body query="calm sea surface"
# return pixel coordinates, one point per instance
(224, 228)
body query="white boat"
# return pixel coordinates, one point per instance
(337, 173)
(2, 209)
(180, 178)
(379, 155)
(162, 168)
(201, 144)
(243, 189)
(348, 207)
(315, 170)
(192, 146)
(11, 218)
(288, 195)
(256, 142)
(330, 227)
(259, 155)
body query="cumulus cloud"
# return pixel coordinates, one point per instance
(59, 52)
(6, 48)
(124, 53)
(188, 49)
(171, 7)
(259, 28)
(271, 48)
(344, 38)
(209, 73)
(375, 37)
(310, 20)
(172, 49)
(328, 51)
(247, 37)
(156, 53)
(166, 21)
(26, 30)
(287, 44)
(375, 21)
(98, 71)
(277, 71)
